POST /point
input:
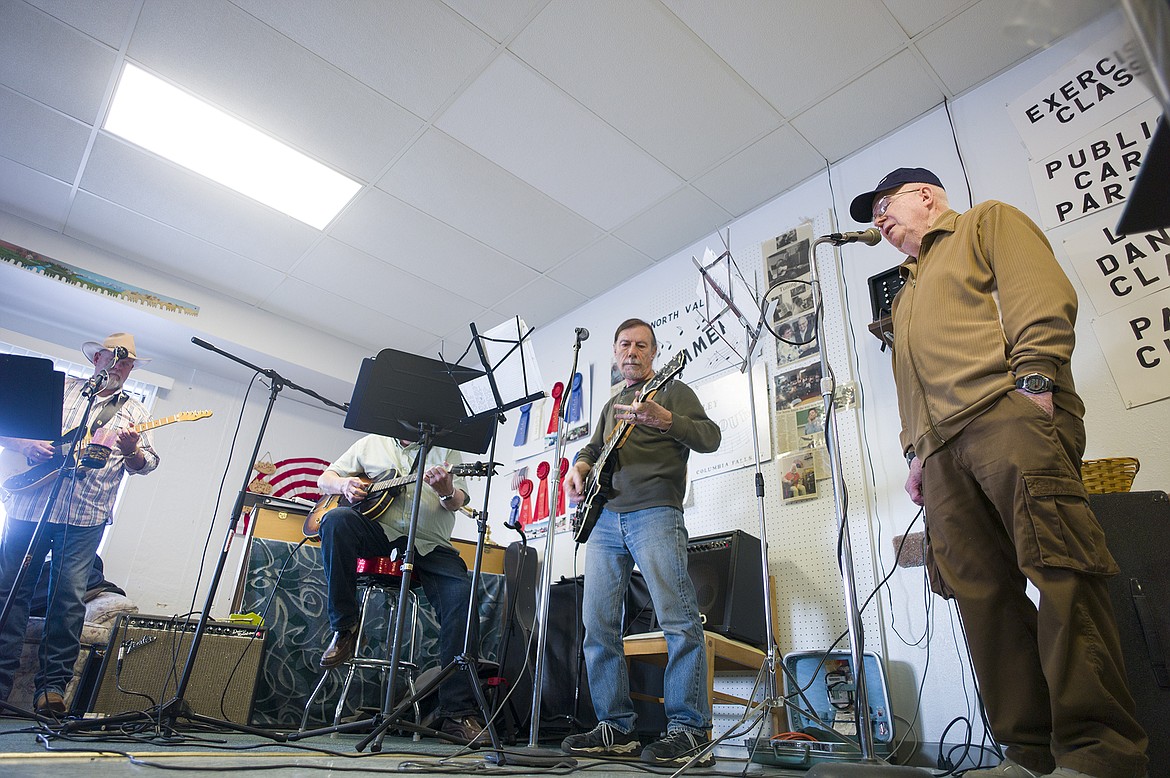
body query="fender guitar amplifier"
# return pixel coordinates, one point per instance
(146, 657)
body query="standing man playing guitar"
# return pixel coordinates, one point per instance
(83, 508)
(348, 533)
(642, 523)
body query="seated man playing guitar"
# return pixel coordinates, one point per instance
(79, 517)
(360, 529)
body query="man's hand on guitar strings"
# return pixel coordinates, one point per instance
(353, 489)
(646, 412)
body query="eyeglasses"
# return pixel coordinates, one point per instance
(883, 204)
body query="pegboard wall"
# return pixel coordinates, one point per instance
(801, 535)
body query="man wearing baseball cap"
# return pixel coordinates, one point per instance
(77, 521)
(993, 432)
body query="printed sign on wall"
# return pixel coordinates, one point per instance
(1136, 342)
(1086, 92)
(1097, 171)
(1118, 269)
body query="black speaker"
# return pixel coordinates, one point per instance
(146, 656)
(1137, 529)
(729, 584)
(882, 288)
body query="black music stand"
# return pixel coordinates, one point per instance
(31, 398)
(410, 397)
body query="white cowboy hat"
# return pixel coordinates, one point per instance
(91, 347)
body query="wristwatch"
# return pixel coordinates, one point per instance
(1035, 383)
(444, 498)
(910, 456)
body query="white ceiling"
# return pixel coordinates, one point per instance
(516, 156)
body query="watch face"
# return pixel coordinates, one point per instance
(1037, 384)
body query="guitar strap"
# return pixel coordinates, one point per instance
(107, 412)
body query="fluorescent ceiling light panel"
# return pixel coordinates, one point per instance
(160, 118)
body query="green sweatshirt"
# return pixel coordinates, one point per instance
(984, 302)
(651, 467)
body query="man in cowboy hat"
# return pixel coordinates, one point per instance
(76, 522)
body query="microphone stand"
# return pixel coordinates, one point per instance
(869, 764)
(546, 568)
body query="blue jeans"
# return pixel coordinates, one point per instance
(74, 549)
(656, 540)
(346, 535)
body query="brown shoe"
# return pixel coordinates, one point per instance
(340, 649)
(50, 704)
(465, 730)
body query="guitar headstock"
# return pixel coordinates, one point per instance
(192, 415)
(666, 372)
(475, 469)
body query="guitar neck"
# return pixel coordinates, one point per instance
(149, 425)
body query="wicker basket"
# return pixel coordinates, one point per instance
(1114, 474)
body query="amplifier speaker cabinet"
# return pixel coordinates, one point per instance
(729, 584)
(146, 655)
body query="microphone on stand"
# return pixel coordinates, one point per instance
(582, 334)
(870, 237)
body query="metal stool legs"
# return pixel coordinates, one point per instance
(407, 665)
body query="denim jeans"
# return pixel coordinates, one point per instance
(74, 549)
(347, 536)
(656, 540)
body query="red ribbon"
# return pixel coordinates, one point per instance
(558, 391)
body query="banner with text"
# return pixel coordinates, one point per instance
(1097, 171)
(1118, 269)
(1136, 342)
(1098, 85)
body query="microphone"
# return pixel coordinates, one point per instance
(870, 237)
(582, 334)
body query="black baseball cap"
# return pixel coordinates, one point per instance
(861, 209)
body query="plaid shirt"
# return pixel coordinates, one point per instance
(88, 501)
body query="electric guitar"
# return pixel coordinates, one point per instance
(379, 495)
(599, 481)
(20, 473)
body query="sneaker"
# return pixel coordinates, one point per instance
(680, 748)
(602, 740)
(467, 730)
(1005, 769)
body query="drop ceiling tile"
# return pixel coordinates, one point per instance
(793, 52)
(600, 267)
(914, 16)
(540, 302)
(40, 137)
(416, 53)
(500, 18)
(326, 312)
(405, 237)
(521, 122)
(53, 63)
(355, 275)
(230, 59)
(978, 43)
(157, 246)
(678, 221)
(760, 172)
(856, 115)
(459, 187)
(125, 175)
(33, 196)
(635, 65)
(107, 21)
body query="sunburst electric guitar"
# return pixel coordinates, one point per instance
(379, 495)
(599, 481)
(20, 473)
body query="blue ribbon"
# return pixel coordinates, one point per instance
(522, 426)
(575, 402)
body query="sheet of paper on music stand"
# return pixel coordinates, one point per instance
(516, 372)
(726, 290)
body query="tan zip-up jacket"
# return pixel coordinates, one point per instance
(984, 302)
